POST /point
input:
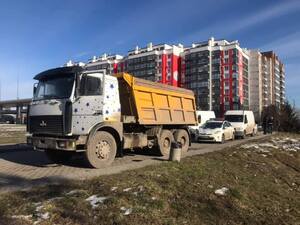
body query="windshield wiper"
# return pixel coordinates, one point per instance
(51, 96)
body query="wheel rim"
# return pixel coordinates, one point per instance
(182, 141)
(102, 150)
(166, 143)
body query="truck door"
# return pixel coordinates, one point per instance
(88, 105)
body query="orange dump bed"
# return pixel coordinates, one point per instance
(151, 103)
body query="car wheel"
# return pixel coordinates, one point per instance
(223, 139)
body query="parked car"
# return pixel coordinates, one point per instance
(202, 117)
(216, 131)
(7, 119)
(243, 122)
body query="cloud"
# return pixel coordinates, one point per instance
(232, 26)
(287, 47)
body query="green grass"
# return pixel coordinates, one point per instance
(263, 189)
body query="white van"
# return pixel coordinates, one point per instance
(202, 117)
(242, 121)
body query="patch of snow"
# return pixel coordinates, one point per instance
(26, 217)
(73, 192)
(127, 211)
(153, 198)
(247, 146)
(127, 189)
(222, 191)
(140, 188)
(39, 208)
(45, 215)
(114, 188)
(95, 200)
(268, 145)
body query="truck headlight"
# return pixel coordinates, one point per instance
(217, 132)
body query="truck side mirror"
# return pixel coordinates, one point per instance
(199, 119)
(34, 88)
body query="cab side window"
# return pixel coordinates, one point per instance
(90, 85)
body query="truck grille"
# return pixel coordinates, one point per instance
(46, 124)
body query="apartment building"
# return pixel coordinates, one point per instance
(111, 63)
(217, 71)
(277, 77)
(160, 63)
(266, 81)
(222, 75)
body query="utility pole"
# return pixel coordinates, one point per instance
(18, 86)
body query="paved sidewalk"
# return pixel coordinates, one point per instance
(22, 167)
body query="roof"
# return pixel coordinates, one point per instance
(68, 70)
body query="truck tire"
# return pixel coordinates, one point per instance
(58, 156)
(253, 133)
(244, 134)
(182, 137)
(164, 142)
(101, 150)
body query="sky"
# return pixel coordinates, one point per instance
(38, 35)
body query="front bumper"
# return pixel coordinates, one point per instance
(67, 144)
(209, 138)
(239, 133)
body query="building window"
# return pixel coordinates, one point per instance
(226, 68)
(226, 52)
(226, 60)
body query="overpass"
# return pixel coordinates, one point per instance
(17, 107)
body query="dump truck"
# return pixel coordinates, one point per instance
(76, 110)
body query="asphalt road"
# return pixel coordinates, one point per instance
(22, 167)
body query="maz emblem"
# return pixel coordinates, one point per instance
(43, 124)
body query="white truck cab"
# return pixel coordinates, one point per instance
(242, 121)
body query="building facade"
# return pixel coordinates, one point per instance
(217, 71)
(222, 75)
(267, 81)
(277, 78)
(111, 63)
(160, 63)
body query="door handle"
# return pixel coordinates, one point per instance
(97, 112)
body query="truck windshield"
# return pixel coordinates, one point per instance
(234, 118)
(58, 87)
(212, 125)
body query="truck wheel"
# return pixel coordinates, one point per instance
(101, 150)
(244, 135)
(182, 137)
(164, 142)
(58, 156)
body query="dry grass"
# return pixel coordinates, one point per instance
(12, 133)
(264, 188)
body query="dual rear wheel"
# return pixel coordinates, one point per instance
(167, 137)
